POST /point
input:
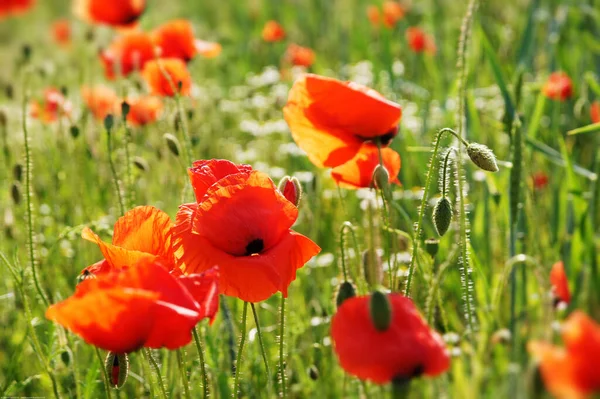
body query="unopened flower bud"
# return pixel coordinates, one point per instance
(18, 172)
(74, 130)
(442, 215)
(141, 164)
(291, 189)
(372, 267)
(482, 156)
(125, 107)
(381, 311)
(432, 245)
(172, 143)
(313, 372)
(65, 356)
(346, 291)
(15, 192)
(381, 178)
(109, 122)
(117, 368)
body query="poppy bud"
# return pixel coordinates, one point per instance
(313, 372)
(372, 267)
(431, 246)
(482, 156)
(291, 189)
(381, 178)
(172, 143)
(26, 51)
(15, 192)
(117, 368)
(65, 356)
(125, 107)
(74, 130)
(442, 215)
(381, 311)
(18, 172)
(141, 164)
(109, 121)
(346, 291)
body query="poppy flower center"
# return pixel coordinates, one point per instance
(254, 247)
(384, 139)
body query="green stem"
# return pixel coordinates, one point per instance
(183, 372)
(444, 174)
(262, 348)
(156, 369)
(281, 342)
(238, 360)
(200, 351)
(129, 190)
(104, 374)
(113, 171)
(400, 388)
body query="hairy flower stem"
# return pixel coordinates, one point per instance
(238, 360)
(130, 200)
(183, 372)
(262, 349)
(281, 342)
(200, 351)
(104, 373)
(113, 171)
(419, 227)
(156, 369)
(445, 171)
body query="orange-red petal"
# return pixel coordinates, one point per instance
(204, 288)
(167, 76)
(127, 53)
(358, 172)
(144, 110)
(117, 13)
(101, 100)
(595, 112)
(558, 86)
(203, 174)
(560, 283)
(273, 32)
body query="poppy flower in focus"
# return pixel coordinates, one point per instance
(405, 349)
(419, 41)
(129, 52)
(61, 32)
(358, 172)
(331, 120)
(241, 222)
(144, 110)
(14, 7)
(300, 56)
(373, 15)
(140, 306)
(595, 112)
(571, 372)
(273, 32)
(143, 233)
(560, 283)
(51, 107)
(558, 86)
(116, 13)
(167, 76)
(101, 100)
(392, 13)
(540, 180)
(175, 39)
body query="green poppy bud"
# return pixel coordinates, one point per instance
(172, 144)
(346, 291)
(482, 156)
(117, 368)
(442, 215)
(381, 311)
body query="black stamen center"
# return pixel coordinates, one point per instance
(254, 247)
(116, 360)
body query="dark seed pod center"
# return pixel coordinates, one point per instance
(254, 247)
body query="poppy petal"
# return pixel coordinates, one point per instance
(205, 290)
(358, 172)
(205, 173)
(207, 49)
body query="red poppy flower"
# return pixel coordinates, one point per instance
(331, 120)
(558, 87)
(117, 13)
(127, 53)
(176, 40)
(571, 372)
(140, 306)
(143, 233)
(595, 112)
(560, 283)
(419, 41)
(166, 75)
(240, 222)
(14, 7)
(273, 32)
(540, 180)
(392, 13)
(61, 31)
(373, 15)
(300, 56)
(358, 172)
(51, 107)
(101, 100)
(144, 110)
(406, 349)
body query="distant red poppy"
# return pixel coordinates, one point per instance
(144, 110)
(300, 56)
(143, 233)
(571, 372)
(51, 107)
(101, 100)
(331, 120)
(117, 13)
(240, 222)
(595, 112)
(14, 7)
(140, 306)
(61, 31)
(408, 348)
(273, 32)
(166, 75)
(558, 86)
(358, 172)
(419, 41)
(540, 180)
(128, 53)
(392, 13)
(176, 39)
(560, 283)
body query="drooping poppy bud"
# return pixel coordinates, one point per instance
(432, 245)
(15, 192)
(482, 156)
(313, 372)
(141, 164)
(109, 122)
(381, 178)
(117, 368)
(372, 267)
(172, 144)
(346, 291)
(442, 215)
(291, 189)
(18, 172)
(381, 311)
(125, 107)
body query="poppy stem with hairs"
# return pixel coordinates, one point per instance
(400, 388)
(238, 360)
(108, 125)
(183, 372)
(200, 351)
(262, 348)
(281, 342)
(159, 379)
(445, 171)
(104, 374)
